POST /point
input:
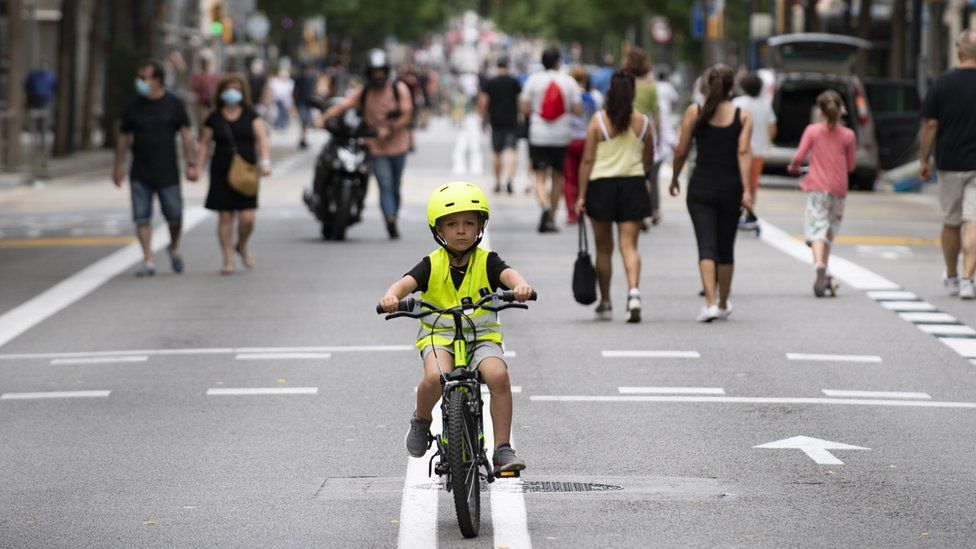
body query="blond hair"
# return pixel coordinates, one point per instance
(967, 45)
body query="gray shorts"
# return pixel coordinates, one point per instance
(482, 350)
(957, 193)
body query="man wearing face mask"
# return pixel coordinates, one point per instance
(386, 105)
(149, 123)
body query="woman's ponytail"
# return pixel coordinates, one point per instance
(718, 81)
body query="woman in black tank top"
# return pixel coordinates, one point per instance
(716, 192)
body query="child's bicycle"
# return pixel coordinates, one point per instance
(461, 444)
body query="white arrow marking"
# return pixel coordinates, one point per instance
(815, 448)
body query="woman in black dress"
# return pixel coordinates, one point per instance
(718, 187)
(233, 126)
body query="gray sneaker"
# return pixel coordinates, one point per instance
(505, 459)
(418, 437)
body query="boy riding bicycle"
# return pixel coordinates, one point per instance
(457, 214)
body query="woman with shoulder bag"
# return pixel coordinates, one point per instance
(619, 147)
(238, 134)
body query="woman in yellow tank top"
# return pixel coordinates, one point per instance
(619, 148)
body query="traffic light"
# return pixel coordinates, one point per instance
(217, 18)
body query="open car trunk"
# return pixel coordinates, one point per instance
(795, 105)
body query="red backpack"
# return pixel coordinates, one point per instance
(553, 104)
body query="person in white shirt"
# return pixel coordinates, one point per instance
(549, 97)
(763, 133)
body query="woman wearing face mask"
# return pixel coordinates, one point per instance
(233, 126)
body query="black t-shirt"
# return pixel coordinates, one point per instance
(950, 101)
(503, 92)
(153, 124)
(421, 273)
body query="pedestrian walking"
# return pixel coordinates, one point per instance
(950, 125)
(149, 124)
(304, 93)
(498, 104)
(619, 148)
(466, 156)
(718, 188)
(763, 133)
(234, 128)
(203, 82)
(549, 96)
(40, 85)
(592, 102)
(638, 63)
(257, 84)
(831, 148)
(282, 89)
(385, 105)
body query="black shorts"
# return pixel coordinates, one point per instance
(547, 156)
(503, 138)
(618, 199)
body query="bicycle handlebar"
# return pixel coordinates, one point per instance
(415, 308)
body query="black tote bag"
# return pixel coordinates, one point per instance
(584, 274)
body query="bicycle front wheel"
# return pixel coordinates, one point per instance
(463, 449)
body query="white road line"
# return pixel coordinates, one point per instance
(54, 394)
(964, 347)
(928, 317)
(850, 273)
(484, 389)
(263, 391)
(650, 354)
(509, 521)
(753, 400)
(99, 360)
(329, 349)
(946, 329)
(510, 354)
(418, 508)
(34, 311)
(875, 394)
(833, 358)
(891, 295)
(283, 356)
(671, 390)
(907, 306)
(213, 351)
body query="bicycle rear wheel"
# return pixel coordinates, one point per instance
(463, 449)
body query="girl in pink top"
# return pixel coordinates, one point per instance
(832, 148)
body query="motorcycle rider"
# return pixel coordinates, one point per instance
(386, 105)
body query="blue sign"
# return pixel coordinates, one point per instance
(698, 21)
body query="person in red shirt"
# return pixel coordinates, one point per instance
(831, 148)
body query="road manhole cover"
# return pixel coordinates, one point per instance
(555, 486)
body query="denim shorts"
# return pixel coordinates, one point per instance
(170, 202)
(482, 350)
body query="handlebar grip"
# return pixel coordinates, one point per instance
(509, 296)
(405, 306)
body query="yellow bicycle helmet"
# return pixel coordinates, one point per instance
(458, 196)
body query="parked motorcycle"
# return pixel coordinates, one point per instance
(338, 188)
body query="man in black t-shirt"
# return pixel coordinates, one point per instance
(150, 123)
(949, 122)
(498, 104)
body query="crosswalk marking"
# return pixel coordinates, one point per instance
(908, 306)
(928, 317)
(754, 400)
(946, 329)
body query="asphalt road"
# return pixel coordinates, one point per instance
(116, 433)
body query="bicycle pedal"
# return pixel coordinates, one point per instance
(508, 474)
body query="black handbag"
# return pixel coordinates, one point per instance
(584, 274)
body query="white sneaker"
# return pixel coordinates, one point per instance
(951, 283)
(708, 314)
(724, 314)
(966, 289)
